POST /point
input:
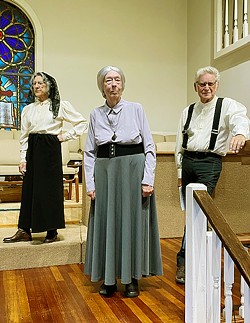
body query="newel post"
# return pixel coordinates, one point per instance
(195, 285)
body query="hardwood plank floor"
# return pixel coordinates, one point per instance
(65, 294)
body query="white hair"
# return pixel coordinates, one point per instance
(104, 71)
(207, 70)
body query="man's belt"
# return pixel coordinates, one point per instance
(200, 154)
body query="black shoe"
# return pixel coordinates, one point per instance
(107, 290)
(51, 236)
(50, 239)
(19, 236)
(132, 289)
(180, 274)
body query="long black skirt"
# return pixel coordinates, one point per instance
(42, 207)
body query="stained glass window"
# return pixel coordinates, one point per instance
(16, 63)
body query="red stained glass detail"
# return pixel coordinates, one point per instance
(6, 93)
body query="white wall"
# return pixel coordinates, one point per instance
(146, 38)
(199, 26)
(159, 44)
(235, 83)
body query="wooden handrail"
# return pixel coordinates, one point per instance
(227, 236)
(245, 151)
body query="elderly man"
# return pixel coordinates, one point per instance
(203, 138)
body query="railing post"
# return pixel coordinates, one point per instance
(195, 286)
(241, 308)
(226, 31)
(245, 19)
(218, 25)
(246, 303)
(209, 276)
(228, 283)
(235, 22)
(216, 251)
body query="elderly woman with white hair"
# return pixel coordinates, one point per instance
(119, 161)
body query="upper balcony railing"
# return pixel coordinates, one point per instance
(231, 26)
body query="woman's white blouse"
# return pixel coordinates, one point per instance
(37, 118)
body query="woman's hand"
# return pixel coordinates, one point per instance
(147, 190)
(60, 138)
(22, 168)
(91, 194)
(179, 183)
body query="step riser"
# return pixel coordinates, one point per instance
(69, 249)
(10, 217)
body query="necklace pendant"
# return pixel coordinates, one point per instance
(114, 137)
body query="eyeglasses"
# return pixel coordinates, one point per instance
(210, 84)
(38, 83)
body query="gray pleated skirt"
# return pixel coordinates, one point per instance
(123, 238)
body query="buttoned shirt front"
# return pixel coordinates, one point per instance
(37, 118)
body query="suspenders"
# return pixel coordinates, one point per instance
(184, 132)
(215, 126)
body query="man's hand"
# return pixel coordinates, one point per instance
(237, 143)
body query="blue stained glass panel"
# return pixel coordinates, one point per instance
(16, 57)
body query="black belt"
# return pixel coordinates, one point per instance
(115, 150)
(200, 154)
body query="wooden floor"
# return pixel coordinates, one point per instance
(65, 294)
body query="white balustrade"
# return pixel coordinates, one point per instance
(203, 270)
(231, 17)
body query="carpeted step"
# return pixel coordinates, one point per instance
(69, 249)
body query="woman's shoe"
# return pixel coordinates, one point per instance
(132, 289)
(19, 236)
(49, 240)
(51, 236)
(107, 290)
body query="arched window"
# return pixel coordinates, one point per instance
(16, 63)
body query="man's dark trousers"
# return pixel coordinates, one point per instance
(198, 168)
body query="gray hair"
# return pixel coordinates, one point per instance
(104, 71)
(207, 70)
(45, 80)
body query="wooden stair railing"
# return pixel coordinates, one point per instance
(227, 236)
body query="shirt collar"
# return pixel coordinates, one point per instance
(209, 105)
(116, 109)
(42, 103)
